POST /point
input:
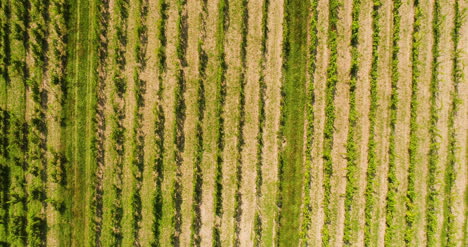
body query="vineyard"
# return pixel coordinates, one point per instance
(234, 123)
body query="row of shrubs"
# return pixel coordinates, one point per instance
(240, 129)
(372, 183)
(330, 113)
(310, 129)
(261, 124)
(433, 192)
(352, 174)
(450, 225)
(393, 183)
(117, 136)
(158, 111)
(411, 196)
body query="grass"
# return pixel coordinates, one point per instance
(292, 111)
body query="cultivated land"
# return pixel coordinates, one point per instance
(233, 123)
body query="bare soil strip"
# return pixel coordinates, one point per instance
(273, 77)
(250, 132)
(417, 230)
(402, 124)
(209, 132)
(382, 127)
(151, 75)
(319, 123)
(341, 125)
(234, 71)
(169, 103)
(362, 122)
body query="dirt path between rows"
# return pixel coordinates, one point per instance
(250, 132)
(319, 125)
(273, 76)
(341, 125)
(191, 96)
(151, 76)
(233, 41)
(362, 107)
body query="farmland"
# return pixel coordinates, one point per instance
(234, 123)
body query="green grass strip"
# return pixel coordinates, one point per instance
(17, 131)
(310, 100)
(372, 183)
(292, 121)
(393, 183)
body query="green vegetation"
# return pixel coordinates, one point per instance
(372, 183)
(330, 91)
(261, 125)
(240, 133)
(197, 173)
(414, 139)
(310, 129)
(180, 118)
(351, 147)
(219, 126)
(449, 228)
(36, 145)
(393, 183)
(292, 115)
(434, 171)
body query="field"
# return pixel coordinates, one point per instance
(234, 123)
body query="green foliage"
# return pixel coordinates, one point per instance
(351, 147)
(372, 183)
(330, 91)
(434, 173)
(393, 183)
(310, 100)
(411, 195)
(449, 226)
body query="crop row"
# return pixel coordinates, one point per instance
(414, 140)
(449, 231)
(17, 131)
(330, 91)
(159, 125)
(393, 183)
(433, 191)
(240, 133)
(351, 147)
(261, 125)
(181, 25)
(119, 86)
(310, 129)
(136, 158)
(370, 194)
(96, 207)
(36, 154)
(4, 170)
